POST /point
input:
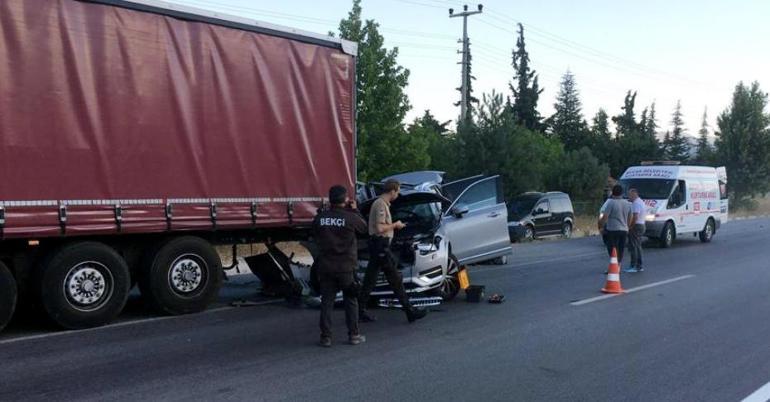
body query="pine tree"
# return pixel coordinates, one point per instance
(651, 126)
(667, 145)
(743, 142)
(604, 146)
(704, 151)
(567, 123)
(625, 123)
(384, 147)
(527, 90)
(633, 144)
(678, 147)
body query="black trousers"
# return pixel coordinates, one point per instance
(331, 283)
(381, 258)
(616, 239)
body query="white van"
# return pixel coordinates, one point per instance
(680, 199)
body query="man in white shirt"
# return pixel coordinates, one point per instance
(636, 232)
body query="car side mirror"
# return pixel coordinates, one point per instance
(539, 211)
(460, 210)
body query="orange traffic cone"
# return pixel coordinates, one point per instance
(613, 275)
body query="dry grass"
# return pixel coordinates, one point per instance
(760, 207)
(585, 225)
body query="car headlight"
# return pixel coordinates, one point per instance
(428, 246)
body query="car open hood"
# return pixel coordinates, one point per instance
(419, 197)
(417, 178)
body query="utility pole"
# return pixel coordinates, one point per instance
(466, 48)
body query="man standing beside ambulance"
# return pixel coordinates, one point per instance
(636, 231)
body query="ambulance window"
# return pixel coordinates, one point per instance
(722, 190)
(678, 198)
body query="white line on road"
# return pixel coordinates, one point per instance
(632, 290)
(125, 324)
(760, 395)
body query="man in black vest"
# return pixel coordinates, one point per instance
(336, 231)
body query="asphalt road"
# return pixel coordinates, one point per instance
(702, 334)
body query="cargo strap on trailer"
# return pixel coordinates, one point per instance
(119, 217)
(63, 218)
(169, 215)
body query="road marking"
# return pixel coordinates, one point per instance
(760, 395)
(127, 323)
(632, 290)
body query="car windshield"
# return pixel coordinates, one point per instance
(653, 189)
(522, 206)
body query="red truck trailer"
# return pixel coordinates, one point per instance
(135, 135)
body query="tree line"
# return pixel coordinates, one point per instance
(505, 134)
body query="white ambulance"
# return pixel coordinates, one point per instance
(681, 200)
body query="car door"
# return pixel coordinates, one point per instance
(476, 224)
(542, 217)
(678, 207)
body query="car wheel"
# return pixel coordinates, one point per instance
(84, 285)
(708, 232)
(667, 236)
(182, 276)
(450, 286)
(566, 230)
(8, 295)
(529, 233)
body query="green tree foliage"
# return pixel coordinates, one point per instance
(626, 122)
(568, 123)
(705, 152)
(650, 124)
(439, 140)
(633, 144)
(677, 147)
(496, 144)
(743, 142)
(527, 90)
(382, 103)
(581, 175)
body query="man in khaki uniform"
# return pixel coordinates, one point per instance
(381, 231)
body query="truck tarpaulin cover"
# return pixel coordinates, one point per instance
(109, 114)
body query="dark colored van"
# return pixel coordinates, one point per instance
(534, 215)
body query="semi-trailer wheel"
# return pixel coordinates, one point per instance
(183, 275)
(83, 285)
(8, 295)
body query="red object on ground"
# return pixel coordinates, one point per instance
(613, 275)
(117, 119)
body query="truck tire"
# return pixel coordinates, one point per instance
(8, 295)
(83, 285)
(708, 232)
(182, 276)
(668, 235)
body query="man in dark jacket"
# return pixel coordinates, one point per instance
(336, 231)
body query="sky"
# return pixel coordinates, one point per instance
(695, 51)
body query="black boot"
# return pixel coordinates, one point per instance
(415, 314)
(365, 316)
